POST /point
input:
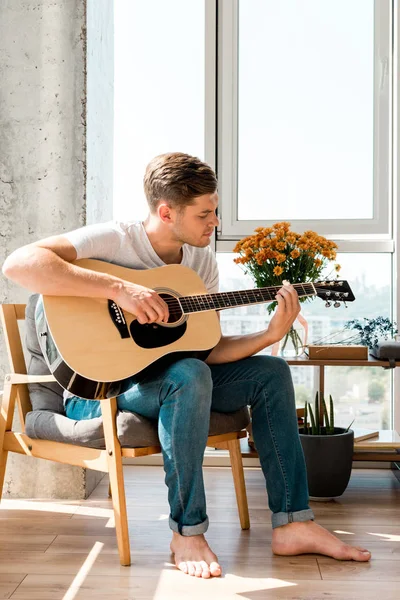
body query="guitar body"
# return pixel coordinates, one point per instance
(92, 346)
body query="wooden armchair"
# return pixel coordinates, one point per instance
(108, 460)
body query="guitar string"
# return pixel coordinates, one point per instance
(231, 295)
(220, 301)
(220, 296)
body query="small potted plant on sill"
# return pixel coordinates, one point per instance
(328, 452)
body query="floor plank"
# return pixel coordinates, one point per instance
(67, 550)
(9, 583)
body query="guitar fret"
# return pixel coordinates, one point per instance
(204, 302)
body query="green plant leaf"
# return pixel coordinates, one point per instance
(313, 426)
(317, 422)
(305, 428)
(350, 426)
(332, 412)
(325, 414)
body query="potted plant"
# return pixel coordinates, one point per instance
(369, 332)
(328, 452)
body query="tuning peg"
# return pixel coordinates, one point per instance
(337, 304)
(328, 304)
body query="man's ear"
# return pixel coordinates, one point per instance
(165, 212)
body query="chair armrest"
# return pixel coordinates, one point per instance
(19, 378)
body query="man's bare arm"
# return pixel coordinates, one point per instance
(231, 348)
(45, 267)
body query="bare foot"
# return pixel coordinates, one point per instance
(310, 538)
(194, 556)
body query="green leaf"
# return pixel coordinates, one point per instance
(305, 429)
(332, 420)
(318, 424)
(325, 414)
(313, 426)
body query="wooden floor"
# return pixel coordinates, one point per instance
(64, 550)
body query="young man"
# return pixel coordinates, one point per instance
(182, 195)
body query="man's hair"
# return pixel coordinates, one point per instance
(177, 178)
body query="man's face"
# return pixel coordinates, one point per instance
(195, 224)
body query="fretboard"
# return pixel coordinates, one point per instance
(220, 300)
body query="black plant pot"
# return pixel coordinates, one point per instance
(329, 460)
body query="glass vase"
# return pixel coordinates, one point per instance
(294, 342)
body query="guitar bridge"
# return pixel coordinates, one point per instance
(117, 317)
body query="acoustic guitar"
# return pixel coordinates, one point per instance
(92, 346)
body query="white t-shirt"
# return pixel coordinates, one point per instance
(127, 245)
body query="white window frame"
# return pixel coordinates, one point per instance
(377, 230)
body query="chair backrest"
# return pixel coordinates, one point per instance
(10, 315)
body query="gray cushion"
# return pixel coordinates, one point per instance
(47, 421)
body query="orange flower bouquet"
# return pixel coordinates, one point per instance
(274, 254)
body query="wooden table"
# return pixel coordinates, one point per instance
(386, 447)
(303, 361)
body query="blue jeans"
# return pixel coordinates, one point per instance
(181, 397)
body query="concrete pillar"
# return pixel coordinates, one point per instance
(42, 171)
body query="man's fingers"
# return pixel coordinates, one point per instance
(285, 295)
(289, 297)
(160, 306)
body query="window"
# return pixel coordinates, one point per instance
(159, 91)
(360, 393)
(304, 136)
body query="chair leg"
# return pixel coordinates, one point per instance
(240, 485)
(6, 419)
(114, 456)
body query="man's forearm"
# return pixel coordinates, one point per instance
(237, 347)
(41, 270)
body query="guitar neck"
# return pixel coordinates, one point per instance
(222, 300)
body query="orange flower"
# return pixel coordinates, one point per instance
(264, 254)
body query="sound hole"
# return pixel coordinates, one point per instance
(175, 311)
(153, 335)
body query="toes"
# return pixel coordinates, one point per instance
(354, 553)
(362, 549)
(191, 568)
(215, 569)
(182, 566)
(361, 554)
(205, 570)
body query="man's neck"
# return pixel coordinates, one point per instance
(170, 251)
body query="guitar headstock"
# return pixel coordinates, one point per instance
(334, 292)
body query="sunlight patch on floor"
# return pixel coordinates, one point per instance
(83, 572)
(216, 586)
(40, 505)
(389, 537)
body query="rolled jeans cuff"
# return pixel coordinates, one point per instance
(189, 530)
(283, 518)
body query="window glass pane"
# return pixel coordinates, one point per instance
(305, 126)
(362, 393)
(159, 91)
